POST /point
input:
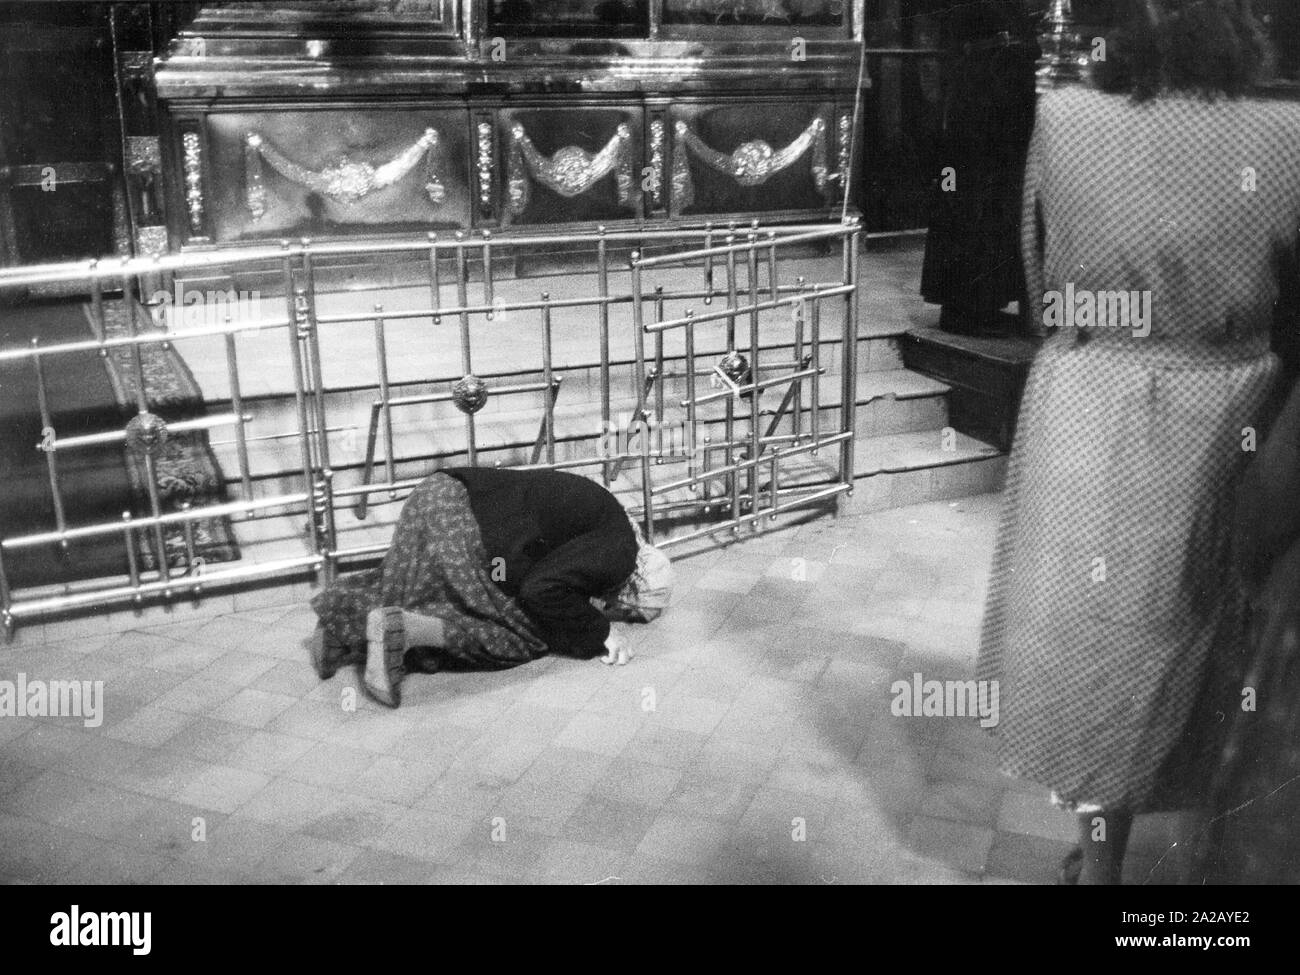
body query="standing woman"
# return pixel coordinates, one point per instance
(971, 266)
(1115, 621)
(490, 569)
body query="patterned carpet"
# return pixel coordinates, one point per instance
(89, 394)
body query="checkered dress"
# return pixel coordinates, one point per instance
(1115, 614)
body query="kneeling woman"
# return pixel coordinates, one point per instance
(489, 569)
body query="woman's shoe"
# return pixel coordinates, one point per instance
(385, 648)
(328, 654)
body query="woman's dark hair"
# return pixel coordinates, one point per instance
(1210, 47)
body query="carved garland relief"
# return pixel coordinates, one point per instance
(749, 164)
(570, 171)
(346, 181)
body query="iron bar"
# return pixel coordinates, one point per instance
(659, 358)
(169, 518)
(466, 358)
(803, 501)
(548, 380)
(6, 597)
(155, 511)
(487, 271)
(294, 305)
(325, 498)
(751, 272)
(548, 419)
(117, 594)
(639, 413)
(223, 257)
(97, 306)
(799, 313)
(120, 436)
(731, 313)
(381, 354)
(731, 310)
(740, 465)
(311, 327)
(237, 407)
(137, 357)
(132, 558)
(708, 264)
(690, 391)
(792, 395)
(750, 387)
(686, 257)
(602, 285)
(849, 360)
(501, 307)
(187, 531)
(815, 339)
(48, 443)
(130, 341)
(435, 286)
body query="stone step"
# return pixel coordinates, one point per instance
(986, 373)
(891, 471)
(348, 408)
(893, 401)
(421, 349)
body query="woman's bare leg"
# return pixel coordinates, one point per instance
(1103, 837)
(385, 665)
(424, 631)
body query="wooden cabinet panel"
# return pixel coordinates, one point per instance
(570, 165)
(317, 18)
(341, 171)
(753, 157)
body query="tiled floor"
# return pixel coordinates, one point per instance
(749, 740)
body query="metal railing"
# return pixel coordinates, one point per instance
(762, 413)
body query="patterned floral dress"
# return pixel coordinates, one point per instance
(1116, 612)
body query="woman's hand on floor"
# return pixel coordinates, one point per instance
(616, 648)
